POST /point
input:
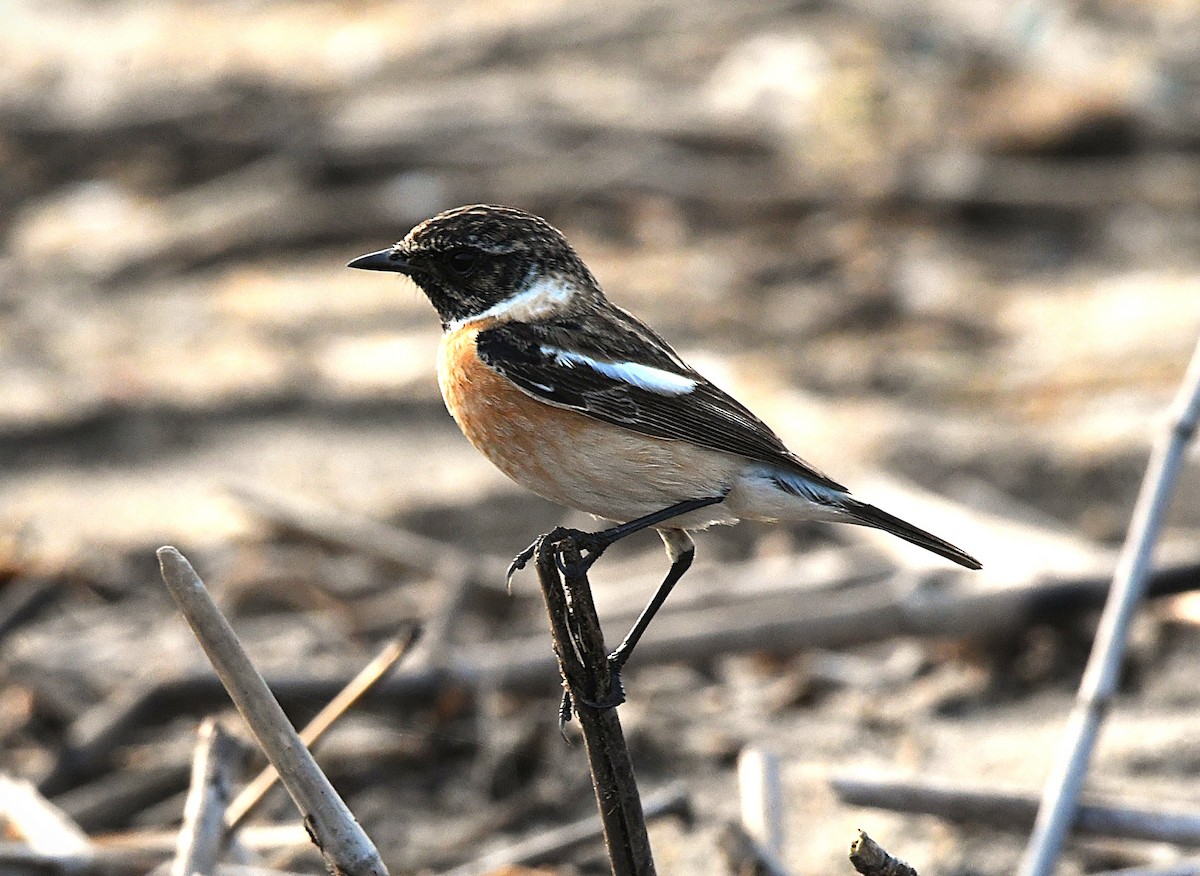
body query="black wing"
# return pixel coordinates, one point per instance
(611, 366)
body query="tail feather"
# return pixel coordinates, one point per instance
(869, 515)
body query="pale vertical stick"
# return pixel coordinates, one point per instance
(202, 837)
(342, 841)
(762, 797)
(1060, 796)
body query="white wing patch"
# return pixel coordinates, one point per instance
(642, 376)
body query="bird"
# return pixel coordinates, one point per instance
(584, 404)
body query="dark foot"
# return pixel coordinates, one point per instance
(591, 545)
(565, 710)
(616, 694)
(616, 687)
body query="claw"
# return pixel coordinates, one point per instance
(565, 710)
(519, 562)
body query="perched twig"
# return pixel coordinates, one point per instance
(251, 795)
(1015, 810)
(583, 662)
(872, 859)
(202, 836)
(553, 844)
(343, 843)
(1100, 679)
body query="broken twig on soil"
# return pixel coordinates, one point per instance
(342, 841)
(1183, 867)
(370, 537)
(1101, 678)
(1015, 810)
(872, 859)
(20, 857)
(761, 790)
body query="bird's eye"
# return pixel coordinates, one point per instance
(463, 262)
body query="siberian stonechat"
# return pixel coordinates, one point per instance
(581, 402)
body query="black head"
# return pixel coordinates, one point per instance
(470, 260)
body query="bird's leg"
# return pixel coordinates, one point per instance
(682, 550)
(596, 543)
(593, 544)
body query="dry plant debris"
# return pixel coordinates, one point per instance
(948, 242)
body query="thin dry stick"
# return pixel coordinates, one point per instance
(1015, 810)
(202, 836)
(251, 795)
(342, 841)
(23, 858)
(1182, 867)
(263, 839)
(759, 837)
(583, 661)
(1061, 793)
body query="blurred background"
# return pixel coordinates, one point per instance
(946, 249)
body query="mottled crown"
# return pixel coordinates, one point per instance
(468, 259)
(489, 228)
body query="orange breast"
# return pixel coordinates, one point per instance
(509, 427)
(566, 456)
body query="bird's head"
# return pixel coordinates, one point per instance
(486, 261)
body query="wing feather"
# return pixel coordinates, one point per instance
(618, 370)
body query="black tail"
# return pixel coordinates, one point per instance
(869, 515)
